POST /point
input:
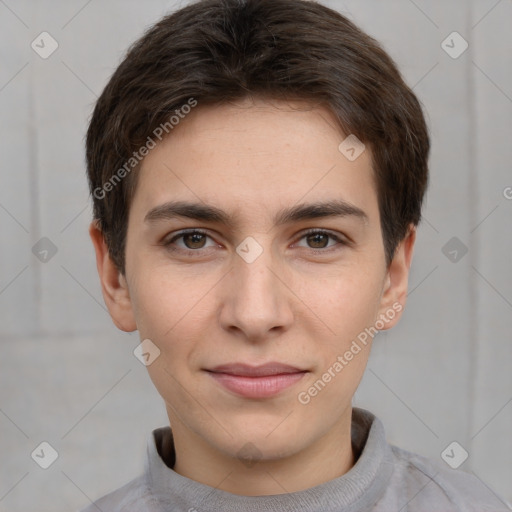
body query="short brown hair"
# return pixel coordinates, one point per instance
(216, 51)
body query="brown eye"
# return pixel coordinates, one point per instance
(318, 240)
(189, 242)
(194, 240)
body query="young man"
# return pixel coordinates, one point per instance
(257, 170)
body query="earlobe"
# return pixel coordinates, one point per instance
(394, 294)
(113, 283)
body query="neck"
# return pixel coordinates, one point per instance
(328, 457)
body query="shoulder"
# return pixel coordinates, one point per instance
(133, 496)
(427, 485)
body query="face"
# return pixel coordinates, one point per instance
(257, 302)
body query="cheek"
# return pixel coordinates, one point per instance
(169, 311)
(346, 301)
(349, 308)
(176, 312)
(163, 300)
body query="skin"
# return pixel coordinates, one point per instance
(293, 304)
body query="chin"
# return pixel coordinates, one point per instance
(263, 438)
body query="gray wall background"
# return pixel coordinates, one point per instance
(69, 378)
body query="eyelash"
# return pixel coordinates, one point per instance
(339, 241)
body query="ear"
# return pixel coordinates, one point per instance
(113, 283)
(394, 293)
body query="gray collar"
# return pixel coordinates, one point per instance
(358, 489)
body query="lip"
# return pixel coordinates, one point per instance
(256, 381)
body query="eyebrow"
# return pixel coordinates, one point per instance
(301, 212)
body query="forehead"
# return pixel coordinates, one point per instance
(255, 155)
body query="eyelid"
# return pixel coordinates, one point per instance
(167, 240)
(338, 237)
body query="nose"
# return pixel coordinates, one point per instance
(256, 302)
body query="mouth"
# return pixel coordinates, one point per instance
(262, 381)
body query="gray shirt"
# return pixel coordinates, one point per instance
(383, 479)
